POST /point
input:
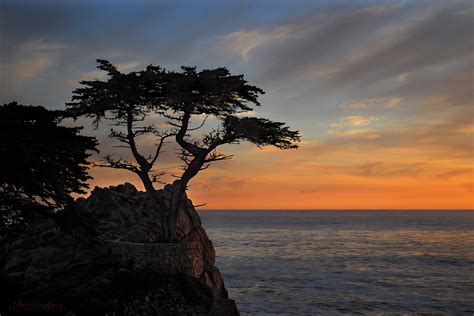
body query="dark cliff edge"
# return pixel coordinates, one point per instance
(123, 270)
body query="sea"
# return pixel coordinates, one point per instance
(346, 262)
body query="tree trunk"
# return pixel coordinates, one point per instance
(147, 182)
(176, 197)
(178, 194)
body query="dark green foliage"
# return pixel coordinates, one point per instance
(42, 163)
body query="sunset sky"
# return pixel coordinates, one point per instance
(382, 91)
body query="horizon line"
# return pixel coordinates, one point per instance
(352, 209)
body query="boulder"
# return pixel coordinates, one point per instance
(85, 275)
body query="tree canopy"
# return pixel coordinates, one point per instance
(180, 98)
(126, 100)
(43, 163)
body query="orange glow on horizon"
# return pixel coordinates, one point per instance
(401, 178)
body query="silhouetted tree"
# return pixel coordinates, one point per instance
(222, 96)
(180, 97)
(126, 100)
(42, 163)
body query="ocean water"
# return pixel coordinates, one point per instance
(346, 262)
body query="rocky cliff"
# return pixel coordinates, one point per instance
(121, 267)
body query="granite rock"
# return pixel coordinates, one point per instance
(43, 264)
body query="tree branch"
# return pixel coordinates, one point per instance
(109, 162)
(144, 165)
(155, 177)
(201, 125)
(192, 148)
(160, 145)
(122, 137)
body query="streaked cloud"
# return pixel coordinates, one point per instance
(354, 126)
(355, 120)
(380, 169)
(456, 173)
(374, 102)
(32, 60)
(430, 40)
(243, 42)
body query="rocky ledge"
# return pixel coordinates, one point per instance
(123, 269)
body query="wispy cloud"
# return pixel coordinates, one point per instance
(354, 126)
(241, 43)
(355, 120)
(388, 102)
(431, 40)
(456, 173)
(381, 169)
(33, 59)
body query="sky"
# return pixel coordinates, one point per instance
(381, 91)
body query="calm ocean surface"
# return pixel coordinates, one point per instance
(346, 262)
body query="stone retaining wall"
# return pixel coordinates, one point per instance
(163, 257)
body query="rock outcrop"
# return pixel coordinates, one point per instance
(108, 274)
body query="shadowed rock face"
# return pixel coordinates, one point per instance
(44, 264)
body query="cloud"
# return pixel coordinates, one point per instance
(369, 47)
(221, 182)
(356, 132)
(430, 40)
(402, 77)
(27, 68)
(345, 127)
(381, 169)
(242, 43)
(453, 90)
(456, 173)
(360, 120)
(388, 102)
(443, 141)
(33, 59)
(368, 60)
(321, 39)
